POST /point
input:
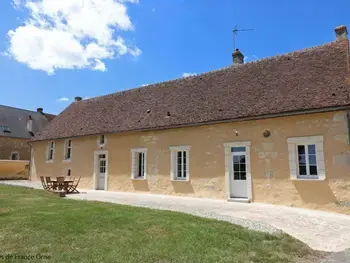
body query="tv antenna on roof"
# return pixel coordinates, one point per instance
(235, 33)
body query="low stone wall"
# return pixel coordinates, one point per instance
(14, 169)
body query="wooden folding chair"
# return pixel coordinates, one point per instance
(60, 182)
(43, 183)
(49, 183)
(73, 188)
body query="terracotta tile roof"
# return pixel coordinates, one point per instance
(49, 116)
(309, 79)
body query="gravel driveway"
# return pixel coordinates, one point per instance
(320, 230)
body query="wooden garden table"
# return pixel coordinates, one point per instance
(62, 184)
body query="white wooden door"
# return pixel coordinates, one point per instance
(101, 171)
(239, 186)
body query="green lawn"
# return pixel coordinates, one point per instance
(34, 222)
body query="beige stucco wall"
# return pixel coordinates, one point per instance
(13, 169)
(269, 160)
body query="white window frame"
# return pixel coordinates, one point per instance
(66, 147)
(99, 140)
(17, 153)
(173, 162)
(49, 150)
(293, 157)
(134, 162)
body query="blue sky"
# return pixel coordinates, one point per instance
(150, 41)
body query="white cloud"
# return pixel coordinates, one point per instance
(99, 65)
(188, 74)
(130, 1)
(135, 52)
(16, 3)
(143, 85)
(71, 34)
(63, 99)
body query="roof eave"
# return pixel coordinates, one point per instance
(257, 117)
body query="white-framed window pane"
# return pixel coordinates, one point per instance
(307, 160)
(68, 149)
(302, 170)
(238, 149)
(311, 149)
(102, 166)
(184, 164)
(306, 157)
(239, 166)
(69, 153)
(313, 170)
(181, 164)
(312, 159)
(301, 149)
(138, 164)
(102, 139)
(242, 168)
(50, 151)
(141, 165)
(302, 159)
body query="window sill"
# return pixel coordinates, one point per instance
(67, 160)
(49, 161)
(307, 179)
(180, 180)
(139, 179)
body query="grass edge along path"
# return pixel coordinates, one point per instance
(35, 223)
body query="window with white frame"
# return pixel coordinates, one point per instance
(14, 156)
(139, 163)
(68, 149)
(179, 162)
(306, 158)
(50, 151)
(102, 140)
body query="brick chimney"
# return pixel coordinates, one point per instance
(78, 98)
(40, 110)
(237, 57)
(341, 32)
